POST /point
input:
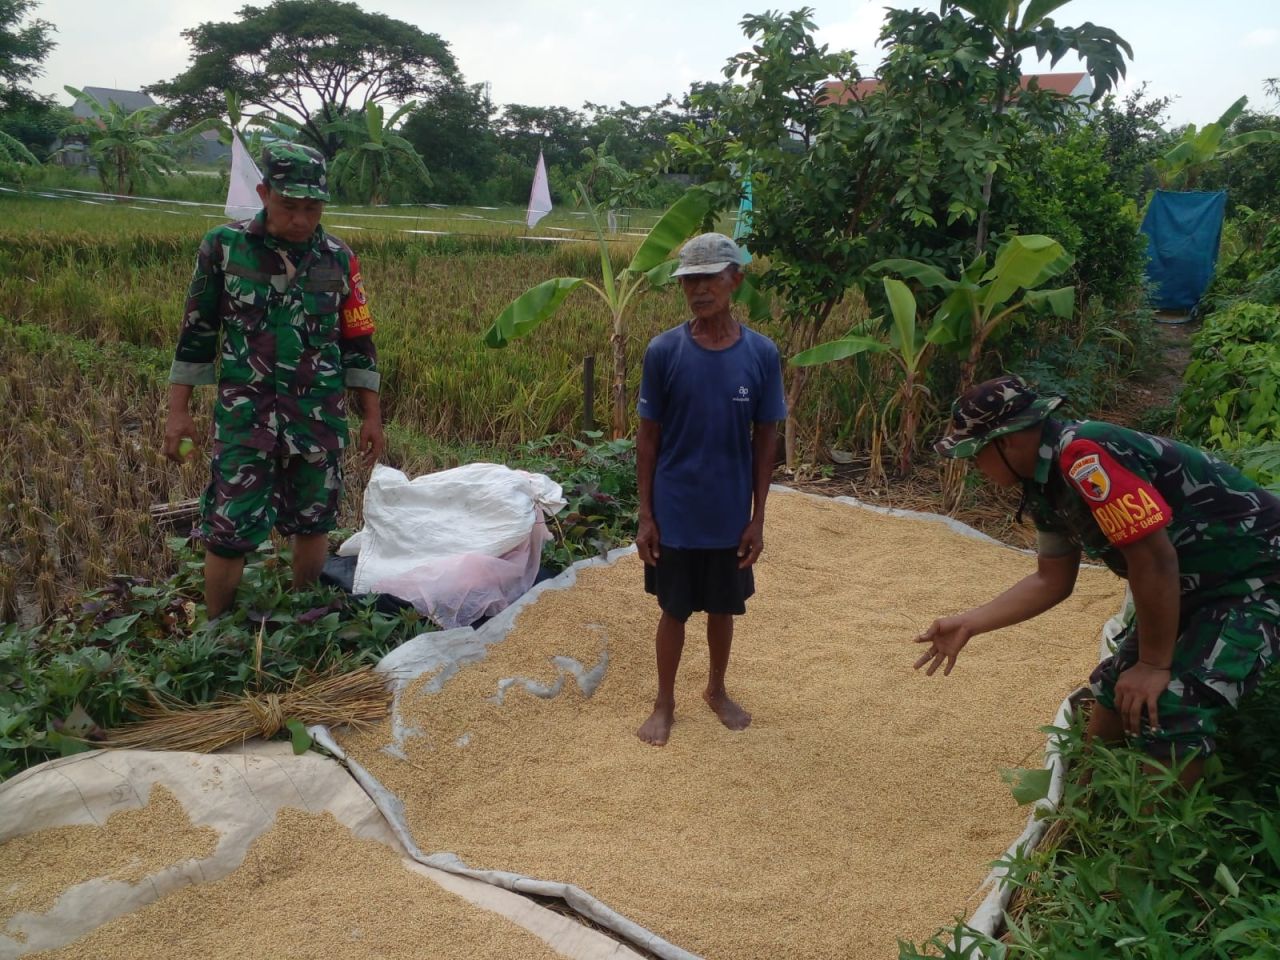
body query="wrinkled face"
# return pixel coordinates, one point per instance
(290, 218)
(709, 294)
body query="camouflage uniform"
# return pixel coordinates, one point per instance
(293, 337)
(1098, 487)
(1226, 531)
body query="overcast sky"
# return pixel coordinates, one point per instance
(565, 52)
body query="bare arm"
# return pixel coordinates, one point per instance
(1053, 581)
(764, 447)
(648, 439)
(371, 442)
(1152, 563)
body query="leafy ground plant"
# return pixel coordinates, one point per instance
(1144, 869)
(63, 684)
(599, 481)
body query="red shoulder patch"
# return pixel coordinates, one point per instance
(357, 321)
(1127, 507)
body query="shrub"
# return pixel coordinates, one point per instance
(1060, 187)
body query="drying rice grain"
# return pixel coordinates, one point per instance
(130, 846)
(308, 888)
(864, 802)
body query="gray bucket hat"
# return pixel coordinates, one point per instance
(989, 410)
(707, 253)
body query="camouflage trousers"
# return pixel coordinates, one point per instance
(250, 491)
(1222, 650)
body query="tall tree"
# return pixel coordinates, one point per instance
(1002, 32)
(311, 63)
(23, 48)
(453, 133)
(1134, 136)
(560, 133)
(374, 156)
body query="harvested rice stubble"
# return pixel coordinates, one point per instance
(308, 888)
(862, 805)
(132, 845)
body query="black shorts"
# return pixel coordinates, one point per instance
(705, 580)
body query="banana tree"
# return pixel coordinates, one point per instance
(373, 153)
(982, 303)
(906, 344)
(978, 306)
(1196, 150)
(649, 269)
(129, 146)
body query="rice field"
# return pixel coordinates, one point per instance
(107, 274)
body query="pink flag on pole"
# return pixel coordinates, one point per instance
(540, 195)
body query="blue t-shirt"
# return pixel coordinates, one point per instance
(706, 402)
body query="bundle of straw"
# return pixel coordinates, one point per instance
(356, 698)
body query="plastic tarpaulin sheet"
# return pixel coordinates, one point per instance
(1183, 231)
(237, 794)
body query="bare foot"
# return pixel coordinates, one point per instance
(730, 714)
(657, 729)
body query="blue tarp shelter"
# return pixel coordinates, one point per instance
(1183, 230)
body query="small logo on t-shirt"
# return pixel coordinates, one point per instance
(742, 396)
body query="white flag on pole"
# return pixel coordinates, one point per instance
(242, 188)
(540, 195)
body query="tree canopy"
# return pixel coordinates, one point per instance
(23, 48)
(309, 63)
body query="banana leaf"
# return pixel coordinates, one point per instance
(1020, 263)
(679, 223)
(528, 310)
(929, 275)
(837, 350)
(1061, 301)
(903, 307)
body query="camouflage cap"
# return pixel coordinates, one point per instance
(294, 170)
(989, 410)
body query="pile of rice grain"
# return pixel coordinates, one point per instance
(133, 844)
(863, 804)
(307, 888)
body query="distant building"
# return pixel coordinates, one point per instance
(205, 148)
(1066, 84)
(126, 100)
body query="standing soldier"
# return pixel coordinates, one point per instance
(1198, 542)
(287, 302)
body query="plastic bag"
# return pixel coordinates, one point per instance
(459, 543)
(457, 591)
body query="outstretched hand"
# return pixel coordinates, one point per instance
(946, 637)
